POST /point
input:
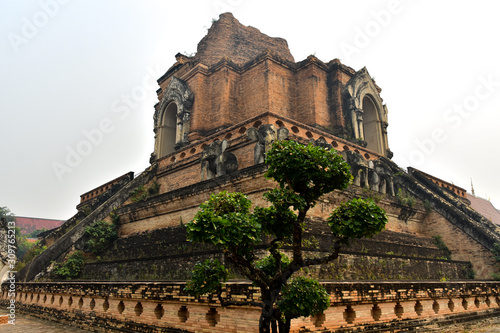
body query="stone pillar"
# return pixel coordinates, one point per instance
(359, 124)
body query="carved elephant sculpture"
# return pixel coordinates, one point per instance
(265, 135)
(359, 167)
(321, 143)
(382, 177)
(216, 161)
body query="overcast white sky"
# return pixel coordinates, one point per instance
(78, 77)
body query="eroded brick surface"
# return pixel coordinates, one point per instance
(165, 307)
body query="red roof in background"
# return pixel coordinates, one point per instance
(30, 224)
(485, 208)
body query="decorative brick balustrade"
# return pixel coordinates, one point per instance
(165, 307)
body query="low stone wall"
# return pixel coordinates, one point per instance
(165, 307)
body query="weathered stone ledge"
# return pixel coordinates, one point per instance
(165, 307)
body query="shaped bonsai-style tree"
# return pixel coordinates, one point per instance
(303, 174)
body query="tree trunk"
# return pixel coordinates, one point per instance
(285, 326)
(267, 311)
(274, 326)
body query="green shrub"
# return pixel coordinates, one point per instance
(154, 189)
(303, 297)
(71, 267)
(33, 252)
(496, 252)
(357, 218)
(438, 240)
(496, 256)
(101, 233)
(207, 277)
(115, 218)
(142, 193)
(471, 274)
(405, 200)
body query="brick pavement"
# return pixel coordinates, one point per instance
(29, 324)
(491, 325)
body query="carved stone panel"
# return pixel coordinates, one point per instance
(265, 135)
(216, 161)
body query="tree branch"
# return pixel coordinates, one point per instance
(297, 236)
(273, 249)
(249, 270)
(318, 261)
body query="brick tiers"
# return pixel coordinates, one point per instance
(164, 307)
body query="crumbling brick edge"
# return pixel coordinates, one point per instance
(165, 307)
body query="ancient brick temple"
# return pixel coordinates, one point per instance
(239, 73)
(217, 114)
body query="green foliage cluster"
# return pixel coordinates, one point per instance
(357, 218)
(303, 297)
(427, 206)
(311, 242)
(471, 274)
(115, 218)
(142, 193)
(225, 220)
(207, 277)
(35, 233)
(71, 267)
(22, 243)
(438, 240)
(21, 240)
(33, 252)
(6, 214)
(101, 234)
(268, 264)
(304, 174)
(86, 210)
(496, 252)
(307, 172)
(405, 200)
(496, 255)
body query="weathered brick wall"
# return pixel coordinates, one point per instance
(282, 88)
(165, 307)
(233, 88)
(253, 98)
(460, 244)
(181, 193)
(312, 94)
(227, 37)
(227, 94)
(162, 247)
(466, 232)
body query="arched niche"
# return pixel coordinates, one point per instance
(372, 129)
(365, 114)
(167, 131)
(172, 118)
